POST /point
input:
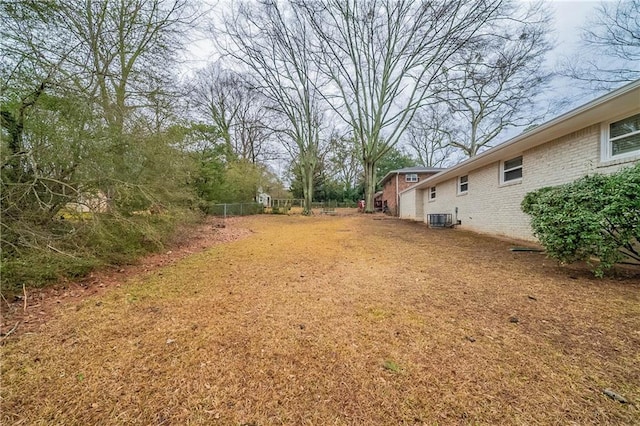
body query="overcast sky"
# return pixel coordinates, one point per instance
(569, 16)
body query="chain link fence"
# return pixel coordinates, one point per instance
(299, 202)
(278, 206)
(235, 209)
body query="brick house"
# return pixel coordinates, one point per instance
(484, 193)
(397, 181)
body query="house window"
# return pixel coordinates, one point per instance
(512, 170)
(432, 193)
(623, 136)
(411, 177)
(463, 184)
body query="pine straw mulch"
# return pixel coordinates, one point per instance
(337, 320)
(29, 311)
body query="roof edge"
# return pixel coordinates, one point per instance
(522, 137)
(406, 170)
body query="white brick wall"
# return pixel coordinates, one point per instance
(409, 205)
(493, 208)
(419, 205)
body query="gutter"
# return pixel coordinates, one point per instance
(397, 196)
(401, 171)
(547, 127)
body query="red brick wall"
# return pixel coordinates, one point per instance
(389, 193)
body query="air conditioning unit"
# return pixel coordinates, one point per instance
(440, 220)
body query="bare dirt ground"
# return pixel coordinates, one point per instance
(329, 320)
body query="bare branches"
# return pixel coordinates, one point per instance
(384, 58)
(228, 100)
(429, 135)
(616, 29)
(612, 42)
(492, 82)
(274, 44)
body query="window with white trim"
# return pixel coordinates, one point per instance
(411, 177)
(432, 193)
(511, 170)
(623, 137)
(463, 184)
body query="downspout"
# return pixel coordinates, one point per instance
(397, 197)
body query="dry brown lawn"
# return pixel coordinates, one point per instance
(333, 321)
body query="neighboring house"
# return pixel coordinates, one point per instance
(484, 193)
(396, 181)
(89, 203)
(263, 198)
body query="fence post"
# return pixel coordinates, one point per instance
(225, 210)
(240, 209)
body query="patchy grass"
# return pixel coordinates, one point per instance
(309, 320)
(391, 366)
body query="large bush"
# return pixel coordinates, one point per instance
(72, 246)
(595, 216)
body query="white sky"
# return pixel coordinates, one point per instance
(569, 16)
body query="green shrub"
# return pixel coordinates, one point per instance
(37, 268)
(281, 209)
(595, 216)
(73, 248)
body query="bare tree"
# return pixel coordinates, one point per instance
(241, 113)
(429, 135)
(128, 49)
(216, 97)
(274, 44)
(253, 135)
(384, 56)
(611, 39)
(491, 84)
(115, 53)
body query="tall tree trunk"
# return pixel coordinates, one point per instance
(307, 188)
(369, 184)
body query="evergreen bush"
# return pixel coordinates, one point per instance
(595, 216)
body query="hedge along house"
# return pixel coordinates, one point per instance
(484, 193)
(397, 181)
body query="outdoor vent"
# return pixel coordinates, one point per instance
(440, 220)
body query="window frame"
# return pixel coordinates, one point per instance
(503, 171)
(412, 175)
(460, 184)
(607, 143)
(432, 193)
